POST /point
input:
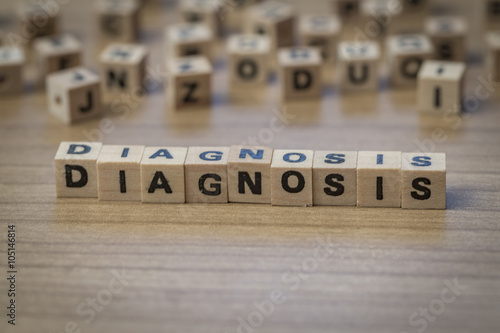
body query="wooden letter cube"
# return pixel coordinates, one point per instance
(203, 11)
(123, 67)
(424, 181)
(275, 19)
(440, 87)
(493, 55)
(300, 72)
(190, 82)
(206, 174)
(189, 39)
(348, 10)
(492, 12)
(118, 20)
(249, 58)
(334, 178)
(56, 53)
(162, 175)
(358, 64)
(448, 36)
(76, 170)
(38, 18)
(249, 174)
(11, 70)
(74, 94)
(379, 179)
(406, 54)
(291, 178)
(320, 31)
(119, 173)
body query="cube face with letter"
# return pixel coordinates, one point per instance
(11, 70)
(379, 179)
(440, 87)
(123, 68)
(249, 174)
(320, 31)
(55, 53)
(274, 19)
(76, 170)
(118, 20)
(291, 178)
(358, 66)
(74, 94)
(162, 175)
(190, 82)
(424, 181)
(334, 178)
(448, 36)
(406, 55)
(203, 11)
(249, 58)
(189, 39)
(119, 173)
(300, 72)
(206, 174)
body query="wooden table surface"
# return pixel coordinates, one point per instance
(209, 268)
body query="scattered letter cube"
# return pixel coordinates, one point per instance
(320, 31)
(118, 20)
(440, 87)
(74, 94)
(249, 58)
(358, 64)
(55, 53)
(11, 70)
(123, 68)
(300, 72)
(189, 39)
(448, 36)
(190, 82)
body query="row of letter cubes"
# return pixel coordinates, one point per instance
(251, 175)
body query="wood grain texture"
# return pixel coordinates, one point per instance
(199, 267)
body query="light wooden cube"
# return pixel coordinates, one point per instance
(249, 174)
(162, 174)
(55, 53)
(249, 58)
(375, 17)
(203, 11)
(358, 64)
(74, 94)
(492, 11)
(190, 82)
(322, 31)
(347, 10)
(123, 67)
(76, 170)
(11, 70)
(448, 36)
(440, 87)
(189, 39)
(38, 18)
(424, 181)
(411, 16)
(275, 19)
(379, 179)
(206, 174)
(119, 173)
(300, 72)
(233, 13)
(334, 178)
(118, 20)
(493, 55)
(406, 53)
(291, 178)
